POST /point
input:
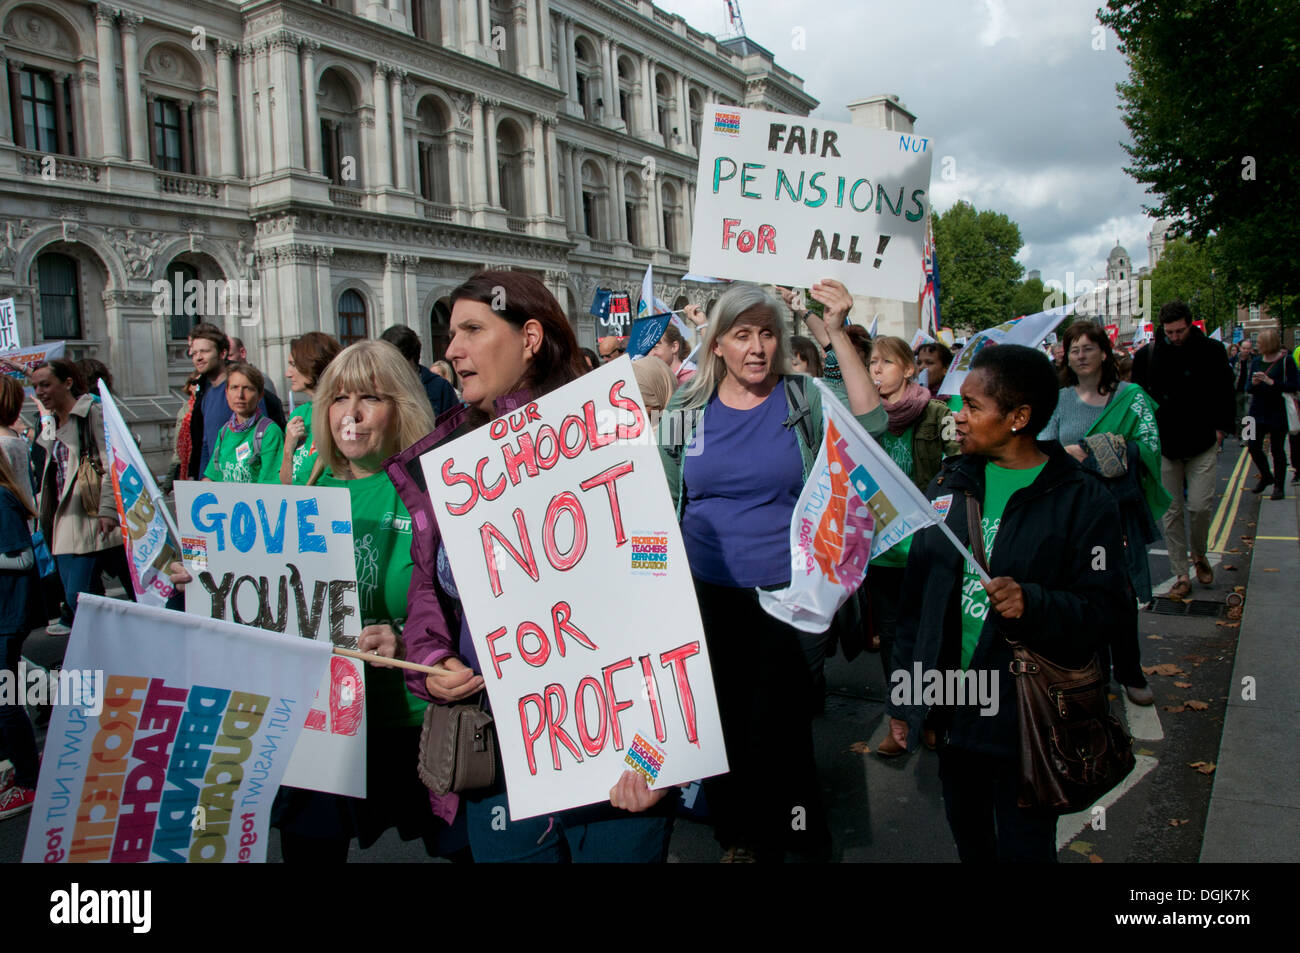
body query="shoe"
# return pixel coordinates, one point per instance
(1181, 589)
(58, 628)
(738, 855)
(1261, 486)
(1204, 574)
(15, 801)
(1140, 696)
(889, 748)
(6, 775)
(1278, 494)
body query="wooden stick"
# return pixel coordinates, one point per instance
(414, 666)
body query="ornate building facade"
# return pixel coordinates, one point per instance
(341, 166)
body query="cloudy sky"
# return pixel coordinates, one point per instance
(1013, 90)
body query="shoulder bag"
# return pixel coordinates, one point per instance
(457, 748)
(1072, 749)
(90, 471)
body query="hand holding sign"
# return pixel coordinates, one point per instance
(837, 301)
(459, 681)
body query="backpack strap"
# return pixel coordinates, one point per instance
(257, 435)
(796, 399)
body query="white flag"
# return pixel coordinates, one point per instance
(919, 338)
(1029, 331)
(147, 528)
(875, 323)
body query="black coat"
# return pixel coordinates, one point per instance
(1047, 542)
(1193, 385)
(1266, 400)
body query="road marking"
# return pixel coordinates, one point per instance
(1071, 826)
(1220, 527)
(1143, 720)
(1288, 539)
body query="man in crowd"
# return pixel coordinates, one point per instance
(238, 353)
(610, 348)
(210, 350)
(442, 396)
(1241, 379)
(1188, 375)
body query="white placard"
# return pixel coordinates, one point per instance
(792, 200)
(570, 565)
(281, 558)
(8, 326)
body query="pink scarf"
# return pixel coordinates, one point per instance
(907, 406)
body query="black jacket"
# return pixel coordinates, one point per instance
(1193, 385)
(442, 396)
(1266, 401)
(270, 406)
(1048, 541)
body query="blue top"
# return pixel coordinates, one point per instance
(18, 587)
(743, 475)
(442, 396)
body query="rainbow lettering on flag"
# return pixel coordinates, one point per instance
(645, 759)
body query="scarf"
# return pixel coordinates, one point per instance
(236, 427)
(909, 404)
(184, 440)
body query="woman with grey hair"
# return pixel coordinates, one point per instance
(735, 470)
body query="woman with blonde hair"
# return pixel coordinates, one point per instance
(1272, 374)
(735, 470)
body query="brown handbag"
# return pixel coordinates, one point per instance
(457, 749)
(90, 471)
(1072, 749)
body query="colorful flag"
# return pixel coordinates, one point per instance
(648, 306)
(645, 334)
(1029, 331)
(919, 338)
(929, 302)
(148, 531)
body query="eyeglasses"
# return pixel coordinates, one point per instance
(1083, 351)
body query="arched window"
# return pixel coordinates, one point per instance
(439, 327)
(510, 168)
(696, 106)
(352, 318)
(57, 278)
(183, 318)
(431, 151)
(588, 75)
(340, 139)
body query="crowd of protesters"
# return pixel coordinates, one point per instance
(1053, 456)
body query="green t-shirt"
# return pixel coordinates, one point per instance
(999, 486)
(233, 459)
(381, 538)
(304, 458)
(900, 451)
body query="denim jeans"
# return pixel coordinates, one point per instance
(598, 833)
(80, 573)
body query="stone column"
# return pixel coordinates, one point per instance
(612, 117)
(652, 99)
(620, 203)
(266, 151)
(537, 208)
(9, 94)
(310, 105)
(490, 133)
(552, 172)
(484, 22)
(683, 113)
(108, 115)
(286, 74)
(571, 60)
(469, 28)
(135, 117)
(543, 30)
(381, 150)
(226, 108)
(533, 28)
(396, 78)
(604, 82)
(656, 230)
(688, 214)
(575, 186)
(248, 112)
(60, 114)
(478, 157)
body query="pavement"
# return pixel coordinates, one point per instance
(1255, 804)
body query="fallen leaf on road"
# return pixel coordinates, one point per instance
(1081, 847)
(1272, 570)
(860, 747)
(1205, 767)
(1178, 822)
(1238, 588)
(1155, 636)
(1228, 625)
(1145, 751)
(1182, 684)
(1174, 708)
(1194, 659)
(1234, 552)
(1196, 704)
(1229, 568)
(1165, 668)
(1095, 859)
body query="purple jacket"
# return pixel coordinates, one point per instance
(433, 616)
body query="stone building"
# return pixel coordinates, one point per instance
(295, 165)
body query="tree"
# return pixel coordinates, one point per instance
(1210, 84)
(1192, 272)
(1032, 296)
(978, 271)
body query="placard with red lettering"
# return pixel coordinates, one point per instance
(794, 199)
(568, 559)
(281, 558)
(172, 739)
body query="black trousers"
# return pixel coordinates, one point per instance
(770, 801)
(885, 587)
(1277, 440)
(1122, 655)
(979, 796)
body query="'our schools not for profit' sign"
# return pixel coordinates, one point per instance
(570, 565)
(794, 200)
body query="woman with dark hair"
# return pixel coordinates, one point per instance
(736, 470)
(934, 359)
(1109, 426)
(309, 355)
(78, 514)
(591, 357)
(1042, 520)
(805, 356)
(506, 356)
(92, 372)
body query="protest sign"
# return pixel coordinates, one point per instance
(919, 338)
(8, 326)
(178, 746)
(614, 309)
(28, 358)
(1112, 332)
(570, 565)
(1029, 331)
(151, 539)
(281, 558)
(792, 200)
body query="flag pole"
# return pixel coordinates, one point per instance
(398, 663)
